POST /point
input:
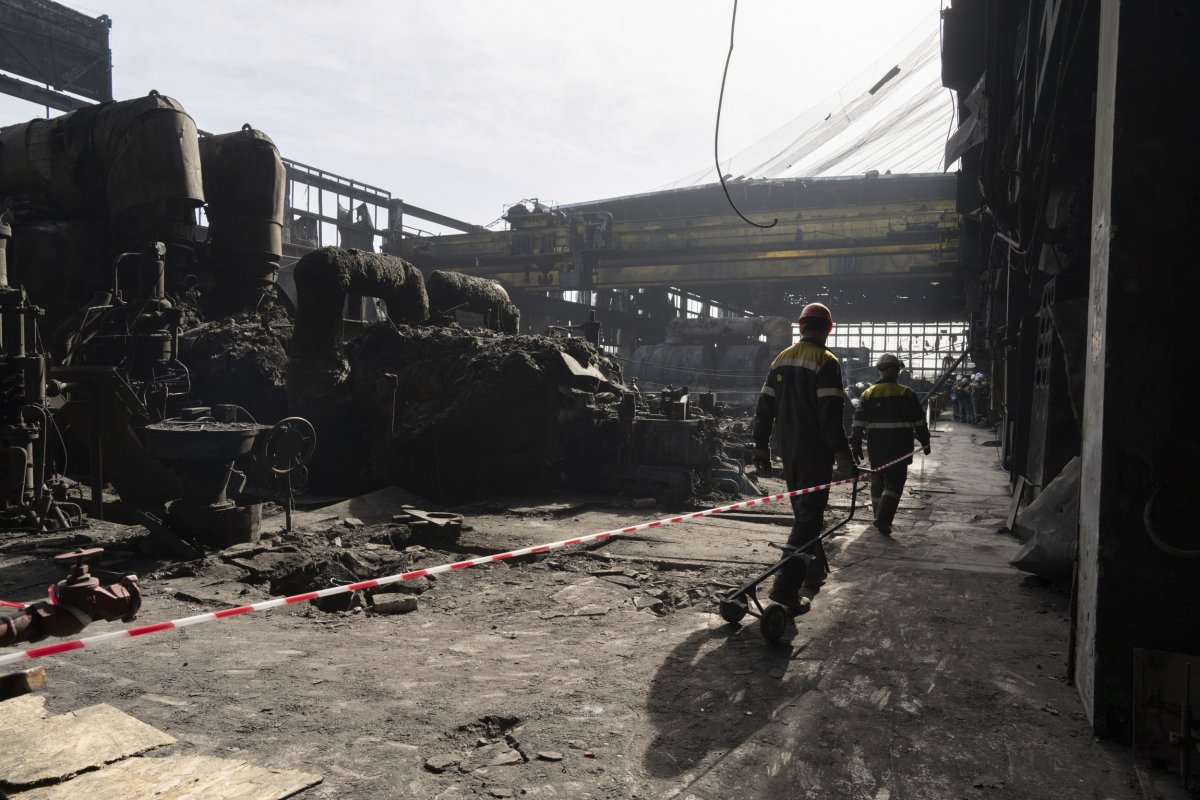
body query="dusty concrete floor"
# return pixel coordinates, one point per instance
(928, 668)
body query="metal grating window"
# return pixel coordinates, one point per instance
(926, 348)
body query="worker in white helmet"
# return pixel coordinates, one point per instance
(889, 415)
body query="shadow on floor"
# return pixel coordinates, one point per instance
(714, 691)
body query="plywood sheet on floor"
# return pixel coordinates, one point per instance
(19, 710)
(179, 778)
(57, 747)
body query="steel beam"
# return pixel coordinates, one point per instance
(41, 95)
(407, 210)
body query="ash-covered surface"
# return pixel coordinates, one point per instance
(474, 412)
(450, 292)
(604, 672)
(308, 561)
(241, 360)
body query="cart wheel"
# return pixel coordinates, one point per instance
(774, 622)
(732, 612)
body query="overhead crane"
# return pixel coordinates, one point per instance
(881, 239)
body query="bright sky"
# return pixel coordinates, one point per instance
(466, 106)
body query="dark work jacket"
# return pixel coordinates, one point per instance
(803, 396)
(890, 414)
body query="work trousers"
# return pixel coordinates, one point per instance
(809, 513)
(886, 489)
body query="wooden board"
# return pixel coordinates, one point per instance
(19, 710)
(1010, 524)
(179, 778)
(58, 747)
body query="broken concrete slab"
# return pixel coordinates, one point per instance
(591, 611)
(498, 754)
(396, 605)
(442, 762)
(644, 603)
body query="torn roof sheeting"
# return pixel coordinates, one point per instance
(894, 116)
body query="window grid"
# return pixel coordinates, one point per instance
(926, 348)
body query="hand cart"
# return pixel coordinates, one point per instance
(773, 618)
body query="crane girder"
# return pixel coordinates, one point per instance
(617, 244)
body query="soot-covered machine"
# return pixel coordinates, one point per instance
(101, 228)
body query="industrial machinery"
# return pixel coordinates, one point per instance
(203, 453)
(287, 448)
(25, 418)
(726, 352)
(104, 202)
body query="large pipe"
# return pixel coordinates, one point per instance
(317, 371)
(246, 186)
(325, 277)
(81, 600)
(453, 291)
(136, 162)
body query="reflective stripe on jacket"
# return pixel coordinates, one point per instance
(803, 396)
(890, 414)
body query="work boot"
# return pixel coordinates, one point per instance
(818, 569)
(888, 504)
(814, 580)
(788, 596)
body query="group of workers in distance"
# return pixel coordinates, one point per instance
(802, 400)
(969, 398)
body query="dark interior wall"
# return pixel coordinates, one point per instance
(1082, 193)
(1024, 74)
(1139, 418)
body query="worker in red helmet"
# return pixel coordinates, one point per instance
(890, 415)
(803, 398)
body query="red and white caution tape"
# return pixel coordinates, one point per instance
(92, 641)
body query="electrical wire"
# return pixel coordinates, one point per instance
(61, 443)
(717, 130)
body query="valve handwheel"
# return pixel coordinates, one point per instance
(290, 444)
(79, 553)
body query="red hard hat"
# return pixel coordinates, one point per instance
(815, 311)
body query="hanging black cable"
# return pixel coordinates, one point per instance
(717, 132)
